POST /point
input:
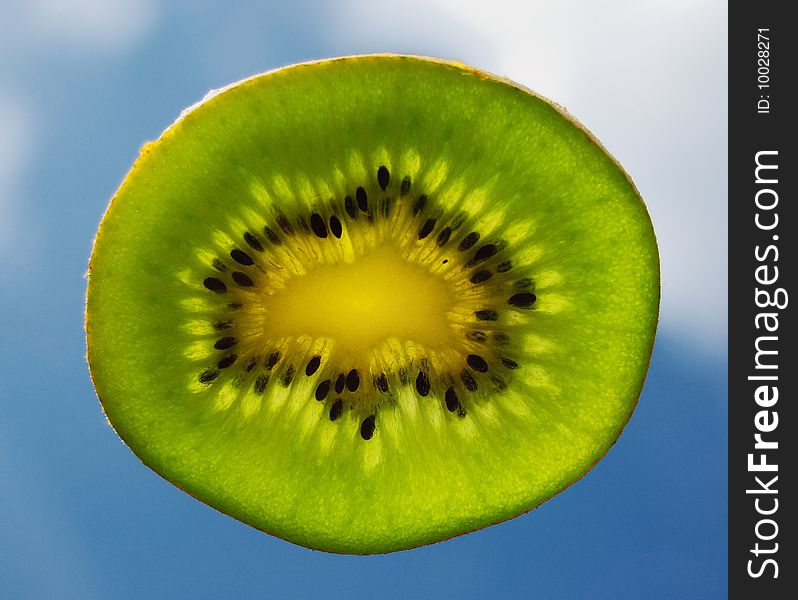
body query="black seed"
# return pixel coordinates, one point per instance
(352, 380)
(468, 241)
(251, 364)
(477, 363)
(350, 207)
(444, 236)
(383, 177)
(235, 305)
(253, 242)
(468, 381)
(481, 276)
(225, 343)
(208, 375)
(499, 383)
(241, 257)
(510, 364)
(422, 383)
(335, 226)
(420, 204)
(227, 361)
(313, 365)
(504, 267)
(288, 376)
(486, 315)
(523, 283)
(452, 403)
(522, 300)
(336, 409)
(318, 225)
(221, 325)
(260, 383)
(219, 265)
(362, 199)
(402, 375)
(322, 390)
(273, 237)
(340, 383)
(426, 229)
(271, 360)
(215, 285)
(485, 252)
(367, 427)
(285, 225)
(501, 338)
(404, 189)
(477, 336)
(382, 383)
(242, 279)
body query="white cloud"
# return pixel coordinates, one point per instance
(17, 135)
(77, 25)
(649, 79)
(32, 33)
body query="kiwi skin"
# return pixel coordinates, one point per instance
(148, 149)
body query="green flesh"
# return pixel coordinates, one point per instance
(291, 142)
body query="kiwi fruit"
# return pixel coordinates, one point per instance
(371, 303)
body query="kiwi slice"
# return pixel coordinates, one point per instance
(371, 303)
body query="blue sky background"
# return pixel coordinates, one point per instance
(84, 83)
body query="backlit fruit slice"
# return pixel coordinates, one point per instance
(371, 303)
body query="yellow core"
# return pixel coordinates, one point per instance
(361, 305)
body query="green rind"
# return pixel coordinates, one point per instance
(595, 228)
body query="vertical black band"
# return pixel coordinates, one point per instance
(763, 437)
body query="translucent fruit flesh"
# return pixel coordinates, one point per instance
(371, 303)
(364, 303)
